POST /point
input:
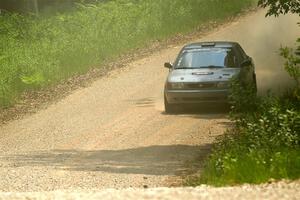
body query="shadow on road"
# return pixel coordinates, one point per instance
(152, 160)
(202, 111)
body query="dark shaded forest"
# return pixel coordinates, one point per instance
(36, 6)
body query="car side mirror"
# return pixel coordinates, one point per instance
(246, 63)
(168, 65)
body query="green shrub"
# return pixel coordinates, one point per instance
(254, 166)
(242, 97)
(292, 66)
(264, 143)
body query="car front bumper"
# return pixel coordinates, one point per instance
(196, 96)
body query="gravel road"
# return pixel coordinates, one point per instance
(274, 191)
(115, 134)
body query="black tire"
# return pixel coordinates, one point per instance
(169, 108)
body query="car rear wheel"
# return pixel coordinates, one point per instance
(169, 108)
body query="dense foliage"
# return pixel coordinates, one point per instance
(292, 66)
(264, 143)
(38, 51)
(44, 6)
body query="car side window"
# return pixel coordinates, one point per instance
(230, 59)
(242, 52)
(240, 55)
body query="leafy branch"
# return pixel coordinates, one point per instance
(278, 7)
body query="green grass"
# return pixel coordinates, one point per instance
(39, 51)
(257, 166)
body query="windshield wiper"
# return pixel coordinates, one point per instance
(183, 68)
(212, 66)
(201, 67)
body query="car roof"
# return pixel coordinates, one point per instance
(214, 44)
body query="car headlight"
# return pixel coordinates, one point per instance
(176, 86)
(223, 84)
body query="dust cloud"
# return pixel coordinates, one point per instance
(261, 38)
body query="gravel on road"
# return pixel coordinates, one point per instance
(274, 191)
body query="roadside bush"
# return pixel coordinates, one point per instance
(292, 66)
(263, 144)
(242, 97)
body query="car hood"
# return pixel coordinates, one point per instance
(202, 75)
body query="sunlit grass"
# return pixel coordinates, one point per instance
(238, 167)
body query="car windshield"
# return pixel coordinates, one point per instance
(206, 58)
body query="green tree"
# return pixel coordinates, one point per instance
(277, 7)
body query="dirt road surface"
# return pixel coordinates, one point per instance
(275, 191)
(115, 134)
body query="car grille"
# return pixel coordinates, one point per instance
(195, 86)
(201, 98)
